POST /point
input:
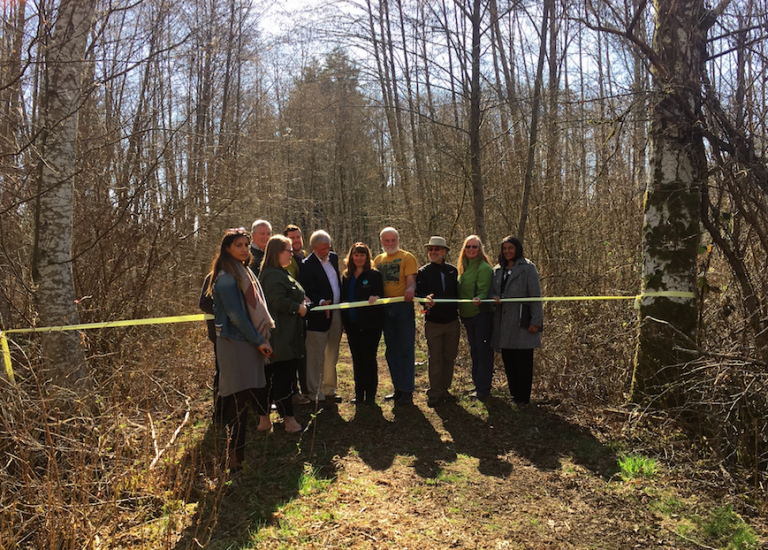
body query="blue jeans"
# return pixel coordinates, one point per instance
(400, 336)
(479, 331)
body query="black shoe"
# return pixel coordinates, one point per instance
(433, 402)
(405, 399)
(333, 398)
(393, 396)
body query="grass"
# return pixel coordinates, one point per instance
(633, 467)
(467, 474)
(726, 529)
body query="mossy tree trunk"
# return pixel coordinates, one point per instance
(671, 229)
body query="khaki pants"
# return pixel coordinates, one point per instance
(443, 346)
(322, 356)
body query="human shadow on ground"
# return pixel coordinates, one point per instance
(545, 438)
(233, 506)
(473, 436)
(377, 441)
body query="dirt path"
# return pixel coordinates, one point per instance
(464, 475)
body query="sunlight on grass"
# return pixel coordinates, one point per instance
(637, 467)
(309, 481)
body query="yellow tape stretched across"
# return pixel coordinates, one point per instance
(124, 323)
(636, 297)
(108, 324)
(346, 305)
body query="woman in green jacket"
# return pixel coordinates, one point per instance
(286, 303)
(475, 274)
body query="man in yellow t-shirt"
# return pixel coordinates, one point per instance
(398, 269)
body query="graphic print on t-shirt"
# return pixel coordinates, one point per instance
(390, 272)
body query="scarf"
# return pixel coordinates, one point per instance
(257, 304)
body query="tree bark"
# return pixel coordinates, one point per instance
(52, 267)
(671, 231)
(474, 126)
(528, 181)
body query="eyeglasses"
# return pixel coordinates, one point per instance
(471, 246)
(434, 248)
(236, 231)
(288, 250)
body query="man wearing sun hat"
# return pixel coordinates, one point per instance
(439, 279)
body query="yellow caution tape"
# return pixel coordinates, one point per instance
(380, 301)
(346, 305)
(6, 357)
(124, 323)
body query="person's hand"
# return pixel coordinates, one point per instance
(533, 328)
(326, 303)
(476, 301)
(302, 310)
(265, 349)
(372, 299)
(409, 293)
(497, 299)
(430, 301)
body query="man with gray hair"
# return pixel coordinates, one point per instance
(319, 275)
(398, 270)
(261, 231)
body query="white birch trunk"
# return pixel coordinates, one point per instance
(52, 267)
(671, 229)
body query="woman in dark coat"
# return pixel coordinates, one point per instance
(516, 325)
(363, 325)
(243, 325)
(285, 299)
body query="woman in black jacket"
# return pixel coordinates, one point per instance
(363, 325)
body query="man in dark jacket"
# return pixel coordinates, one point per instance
(261, 231)
(319, 275)
(439, 279)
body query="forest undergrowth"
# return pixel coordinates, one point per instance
(136, 462)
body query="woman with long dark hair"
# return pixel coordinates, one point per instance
(360, 281)
(516, 325)
(286, 302)
(243, 326)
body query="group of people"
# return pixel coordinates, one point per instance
(273, 348)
